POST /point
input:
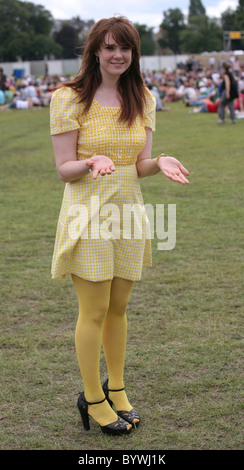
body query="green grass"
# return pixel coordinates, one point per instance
(183, 366)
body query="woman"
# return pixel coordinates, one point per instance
(101, 125)
(227, 96)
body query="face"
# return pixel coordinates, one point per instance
(114, 59)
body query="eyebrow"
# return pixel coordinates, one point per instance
(112, 44)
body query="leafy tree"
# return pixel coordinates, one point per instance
(234, 21)
(81, 26)
(21, 23)
(203, 34)
(67, 37)
(39, 19)
(228, 20)
(196, 8)
(44, 45)
(171, 27)
(240, 15)
(148, 45)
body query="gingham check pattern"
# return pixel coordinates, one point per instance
(100, 133)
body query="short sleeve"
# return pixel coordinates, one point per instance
(64, 111)
(150, 111)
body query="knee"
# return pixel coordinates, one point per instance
(96, 314)
(99, 313)
(117, 308)
(93, 299)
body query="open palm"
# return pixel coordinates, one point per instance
(173, 169)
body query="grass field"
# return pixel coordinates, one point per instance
(184, 370)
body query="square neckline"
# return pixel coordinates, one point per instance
(101, 106)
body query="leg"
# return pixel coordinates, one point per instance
(221, 107)
(114, 340)
(93, 305)
(232, 111)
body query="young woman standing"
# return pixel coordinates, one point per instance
(101, 126)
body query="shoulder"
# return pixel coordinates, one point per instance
(65, 111)
(65, 93)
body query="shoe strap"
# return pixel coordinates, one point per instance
(95, 402)
(118, 390)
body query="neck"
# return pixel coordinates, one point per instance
(107, 93)
(109, 82)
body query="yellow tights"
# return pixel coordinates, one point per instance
(102, 322)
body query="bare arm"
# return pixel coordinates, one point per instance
(68, 167)
(227, 86)
(146, 166)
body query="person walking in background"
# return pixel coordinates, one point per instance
(236, 67)
(101, 126)
(229, 93)
(2, 79)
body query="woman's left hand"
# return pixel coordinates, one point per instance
(173, 169)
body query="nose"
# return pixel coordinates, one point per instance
(117, 52)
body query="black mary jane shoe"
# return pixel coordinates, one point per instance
(128, 416)
(116, 428)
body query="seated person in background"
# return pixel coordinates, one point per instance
(9, 95)
(190, 93)
(239, 102)
(2, 97)
(19, 104)
(171, 93)
(208, 106)
(155, 93)
(31, 92)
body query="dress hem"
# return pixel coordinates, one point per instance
(87, 278)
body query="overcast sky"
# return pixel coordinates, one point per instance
(149, 12)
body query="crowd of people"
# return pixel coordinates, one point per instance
(198, 88)
(28, 92)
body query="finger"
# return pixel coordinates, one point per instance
(184, 170)
(183, 180)
(178, 178)
(94, 174)
(181, 167)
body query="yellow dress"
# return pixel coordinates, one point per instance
(100, 233)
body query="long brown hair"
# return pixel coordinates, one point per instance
(131, 86)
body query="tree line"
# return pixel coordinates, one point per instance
(29, 32)
(200, 33)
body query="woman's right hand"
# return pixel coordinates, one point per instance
(100, 164)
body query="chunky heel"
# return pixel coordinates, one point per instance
(83, 409)
(129, 416)
(116, 428)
